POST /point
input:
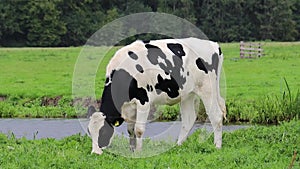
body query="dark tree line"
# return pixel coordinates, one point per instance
(72, 22)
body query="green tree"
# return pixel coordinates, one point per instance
(276, 21)
(153, 4)
(135, 6)
(210, 18)
(11, 23)
(82, 19)
(296, 17)
(43, 23)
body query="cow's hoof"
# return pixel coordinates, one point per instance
(97, 151)
(179, 143)
(137, 150)
(132, 149)
(218, 146)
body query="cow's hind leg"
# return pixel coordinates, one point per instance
(188, 117)
(211, 103)
(222, 106)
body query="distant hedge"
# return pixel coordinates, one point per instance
(71, 22)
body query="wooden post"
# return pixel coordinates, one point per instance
(259, 50)
(241, 49)
(250, 49)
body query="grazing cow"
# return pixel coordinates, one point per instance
(167, 71)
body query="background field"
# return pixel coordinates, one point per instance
(256, 90)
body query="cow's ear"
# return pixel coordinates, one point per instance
(91, 111)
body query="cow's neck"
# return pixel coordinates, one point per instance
(108, 108)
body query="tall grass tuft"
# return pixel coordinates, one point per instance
(291, 104)
(269, 110)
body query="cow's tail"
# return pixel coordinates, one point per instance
(220, 98)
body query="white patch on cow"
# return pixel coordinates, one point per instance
(121, 56)
(160, 60)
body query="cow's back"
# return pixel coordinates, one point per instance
(166, 69)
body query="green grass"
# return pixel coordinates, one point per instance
(253, 78)
(29, 74)
(255, 147)
(36, 72)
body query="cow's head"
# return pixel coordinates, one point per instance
(100, 131)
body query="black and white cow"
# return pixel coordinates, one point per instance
(167, 71)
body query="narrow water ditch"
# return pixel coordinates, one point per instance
(60, 128)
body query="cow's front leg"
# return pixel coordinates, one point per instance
(188, 117)
(132, 137)
(129, 115)
(141, 119)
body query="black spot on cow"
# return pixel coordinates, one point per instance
(105, 134)
(133, 55)
(146, 41)
(220, 51)
(169, 85)
(138, 93)
(204, 66)
(153, 53)
(123, 88)
(177, 49)
(106, 80)
(149, 88)
(139, 68)
(200, 65)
